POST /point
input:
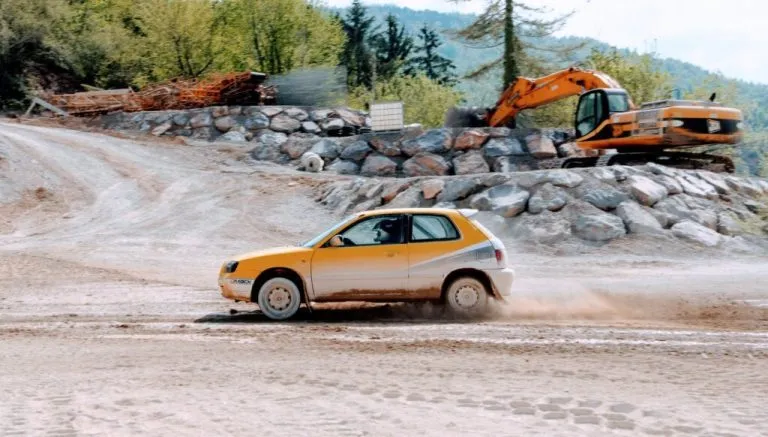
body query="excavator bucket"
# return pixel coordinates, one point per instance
(465, 117)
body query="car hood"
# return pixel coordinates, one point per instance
(274, 251)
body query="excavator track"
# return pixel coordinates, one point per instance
(681, 160)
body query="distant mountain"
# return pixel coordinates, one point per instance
(686, 76)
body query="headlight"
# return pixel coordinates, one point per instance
(740, 125)
(232, 266)
(676, 123)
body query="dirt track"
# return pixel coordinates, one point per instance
(111, 323)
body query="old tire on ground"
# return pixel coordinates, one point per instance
(467, 296)
(279, 298)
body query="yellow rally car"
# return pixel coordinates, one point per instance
(395, 255)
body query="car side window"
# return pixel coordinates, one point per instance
(374, 231)
(432, 228)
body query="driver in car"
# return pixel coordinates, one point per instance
(388, 231)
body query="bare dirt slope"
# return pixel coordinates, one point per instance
(111, 323)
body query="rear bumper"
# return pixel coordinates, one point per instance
(502, 281)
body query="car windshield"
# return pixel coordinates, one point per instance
(324, 234)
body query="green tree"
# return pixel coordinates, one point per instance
(28, 43)
(425, 100)
(277, 36)
(184, 38)
(429, 61)
(638, 75)
(519, 29)
(393, 47)
(357, 56)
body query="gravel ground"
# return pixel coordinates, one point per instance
(111, 322)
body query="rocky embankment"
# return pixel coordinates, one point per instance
(594, 205)
(338, 136)
(257, 124)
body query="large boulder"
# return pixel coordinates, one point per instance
(203, 119)
(326, 149)
(386, 148)
(435, 141)
(696, 187)
(696, 233)
(356, 151)
(471, 139)
(256, 121)
(181, 119)
(471, 162)
(225, 124)
(513, 164)
(685, 208)
(599, 226)
(378, 165)
(457, 189)
(744, 186)
(310, 127)
(233, 136)
(547, 197)
(646, 191)
(284, 123)
(341, 166)
(544, 228)
(561, 178)
(661, 170)
(505, 200)
(297, 113)
(333, 124)
(271, 139)
(728, 224)
(431, 188)
(670, 183)
(426, 164)
(298, 144)
(497, 147)
(540, 146)
(715, 180)
(161, 129)
(603, 196)
(410, 198)
(271, 111)
(637, 219)
(351, 118)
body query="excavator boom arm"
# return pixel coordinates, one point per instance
(527, 93)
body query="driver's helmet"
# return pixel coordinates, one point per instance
(387, 231)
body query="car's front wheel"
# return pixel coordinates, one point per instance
(467, 296)
(279, 298)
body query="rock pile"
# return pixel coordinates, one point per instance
(589, 204)
(259, 124)
(436, 152)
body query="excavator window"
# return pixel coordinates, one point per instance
(586, 120)
(618, 102)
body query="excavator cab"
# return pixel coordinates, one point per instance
(597, 106)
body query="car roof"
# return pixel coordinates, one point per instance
(446, 211)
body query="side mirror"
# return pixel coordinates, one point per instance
(336, 241)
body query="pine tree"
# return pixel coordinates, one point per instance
(429, 62)
(517, 28)
(393, 46)
(357, 56)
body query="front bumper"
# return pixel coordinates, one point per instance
(236, 289)
(502, 281)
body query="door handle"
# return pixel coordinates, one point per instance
(391, 254)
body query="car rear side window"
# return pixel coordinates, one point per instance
(432, 228)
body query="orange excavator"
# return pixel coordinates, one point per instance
(606, 118)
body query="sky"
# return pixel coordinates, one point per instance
(726, 36)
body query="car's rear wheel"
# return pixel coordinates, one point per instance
(279, 298)
(466, 295)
